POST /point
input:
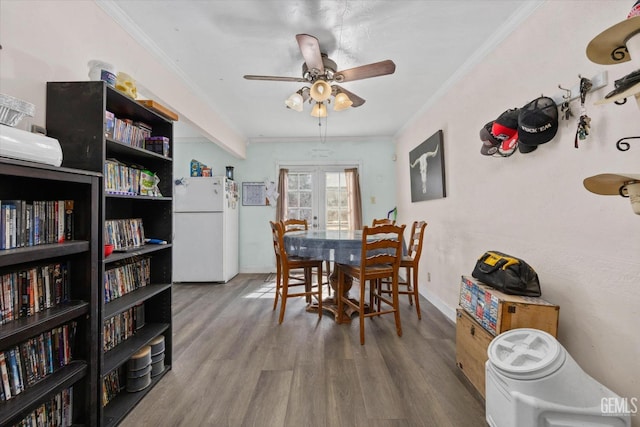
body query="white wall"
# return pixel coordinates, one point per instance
(585, 248)
(204, 152)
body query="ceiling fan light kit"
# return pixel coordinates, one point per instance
(320, 91)
(342, 102)
(294, 102)
(321, 72)
(319, 110)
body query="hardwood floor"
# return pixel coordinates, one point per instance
(234, 366)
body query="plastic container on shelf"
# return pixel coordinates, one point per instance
(33, 147)
(12, 110)
(126, 84)
(100, 70)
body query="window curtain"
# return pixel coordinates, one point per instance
(281, 206)
(354, 198)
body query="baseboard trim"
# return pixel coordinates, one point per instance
(449, 312)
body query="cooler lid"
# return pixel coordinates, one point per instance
(526, 353)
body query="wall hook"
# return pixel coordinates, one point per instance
(624, 146)
(566, 96)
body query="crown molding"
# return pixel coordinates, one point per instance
(332, 139)
(117, 14)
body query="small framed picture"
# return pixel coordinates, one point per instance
(254, 194)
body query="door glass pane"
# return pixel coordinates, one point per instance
(299, 196)
(320, 195)
(306, 181)
(336, 201)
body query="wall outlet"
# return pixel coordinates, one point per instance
(428, 276)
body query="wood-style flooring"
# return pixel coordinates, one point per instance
(233, 365)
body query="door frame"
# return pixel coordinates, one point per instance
(343, 164)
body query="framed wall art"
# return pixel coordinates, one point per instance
(426, 169)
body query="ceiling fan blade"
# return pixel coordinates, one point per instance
(366, 71)
(276, 78)
(357, 101)
(310, 49)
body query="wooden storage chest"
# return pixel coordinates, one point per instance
(472, 341)
(484, 313)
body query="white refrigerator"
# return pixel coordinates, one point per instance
(205, 242)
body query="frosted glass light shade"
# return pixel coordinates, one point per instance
(320, 91)
(342, 102)
(319, 110)
(294, 102)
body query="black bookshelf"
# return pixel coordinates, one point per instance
(29, 399)
(118, 408)
(12, 333)
(76, 114)
(23, 180)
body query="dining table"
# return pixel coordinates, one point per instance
(342, 247)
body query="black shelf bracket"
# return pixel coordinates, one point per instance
(622, 145)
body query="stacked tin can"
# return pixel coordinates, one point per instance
(157, 355)
(139, 370)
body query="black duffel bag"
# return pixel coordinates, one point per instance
(507, 274)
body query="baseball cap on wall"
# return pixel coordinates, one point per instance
(505, 129)
(525, 148)
(538, 121)
(489, 142)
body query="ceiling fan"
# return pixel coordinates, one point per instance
(320, 71)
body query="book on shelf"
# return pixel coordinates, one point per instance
(119, 328)
(68, 219)
(5, 377)
(126, 277)
(109, 123)
(15, 379)
(124, 234)
(25, 292)
(129, 132)
(57, 410)
(32, 222)
(27, 363)
(120, 178)
(138, 315)
(158, 144)
(111, 385)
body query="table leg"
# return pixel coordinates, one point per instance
(330, 304)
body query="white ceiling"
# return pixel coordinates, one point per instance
(213, 44)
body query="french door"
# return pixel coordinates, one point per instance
(318, 194)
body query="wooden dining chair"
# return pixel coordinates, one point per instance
(302, 225)
(285, 281)
(380, 259)
(382, 221)
(295, 225)
(410, 262)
